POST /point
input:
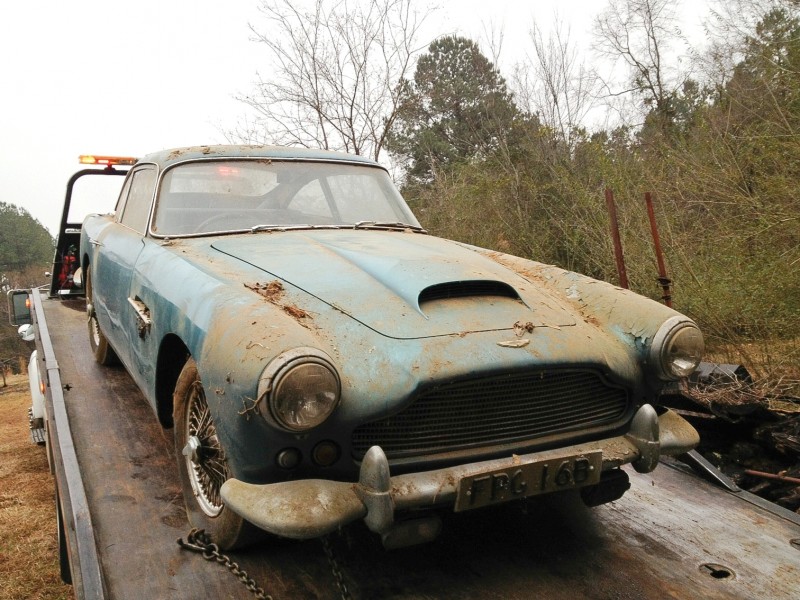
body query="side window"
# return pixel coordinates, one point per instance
(140, 196)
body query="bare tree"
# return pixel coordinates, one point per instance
(563, 89)
(641, 33)
(731, 23)
(336, 73)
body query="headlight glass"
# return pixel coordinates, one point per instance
(305, 396)
(299, 389)
(678, 348)
(684, 351)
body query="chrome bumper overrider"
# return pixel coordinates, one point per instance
(310, 508)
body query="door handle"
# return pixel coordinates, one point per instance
(143, 320)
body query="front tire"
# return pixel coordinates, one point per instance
(202, 465)
(103, 353)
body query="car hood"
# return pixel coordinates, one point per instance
(402, 285)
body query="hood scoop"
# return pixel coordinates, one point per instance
(466, 289)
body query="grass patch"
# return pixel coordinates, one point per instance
(28, 543)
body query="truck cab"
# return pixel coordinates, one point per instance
(86, 193)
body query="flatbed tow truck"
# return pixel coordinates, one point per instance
(679, 532)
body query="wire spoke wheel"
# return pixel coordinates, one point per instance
(94, 330)
(103, 353)
(203, 465)
(205, 458)
(94, 327)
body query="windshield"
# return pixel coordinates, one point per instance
(234, 195)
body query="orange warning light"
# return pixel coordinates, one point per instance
(94, 159)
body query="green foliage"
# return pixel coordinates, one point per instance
(722, 169)
(26, 252)
(456, 109)
(24, 242)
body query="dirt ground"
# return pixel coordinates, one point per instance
(28, 543)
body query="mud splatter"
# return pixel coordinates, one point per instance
(273, 292)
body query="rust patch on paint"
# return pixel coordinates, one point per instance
(273, 292)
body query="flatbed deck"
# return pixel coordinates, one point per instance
(672, 535)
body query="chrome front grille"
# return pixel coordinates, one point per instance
(510, 408)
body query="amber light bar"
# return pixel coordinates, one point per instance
(93, 159)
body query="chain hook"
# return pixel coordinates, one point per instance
(199, 541)
(196, 541)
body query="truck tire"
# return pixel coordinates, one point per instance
(202, 465)
(103, 353)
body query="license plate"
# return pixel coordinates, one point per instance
(529, 479)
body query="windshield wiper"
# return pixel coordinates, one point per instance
(257, 228)
(268, 227)
(388, 225)
(394, 225)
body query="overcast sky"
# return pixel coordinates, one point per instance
(129, 78)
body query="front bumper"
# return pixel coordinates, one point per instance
(311, 508)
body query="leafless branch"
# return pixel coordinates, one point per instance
(335, 73)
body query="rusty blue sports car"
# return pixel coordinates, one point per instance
(322, 359)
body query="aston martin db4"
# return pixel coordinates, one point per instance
(322, 359)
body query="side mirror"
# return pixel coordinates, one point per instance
(27, 333)
(19, 307)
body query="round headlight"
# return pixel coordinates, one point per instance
(305, 396)
(677, 348)
(300, 390)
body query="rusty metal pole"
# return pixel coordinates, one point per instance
(773, 476)
(663, 280)
(612, 211)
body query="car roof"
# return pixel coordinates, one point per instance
(165, 158)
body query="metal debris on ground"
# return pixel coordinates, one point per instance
(751, 432)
